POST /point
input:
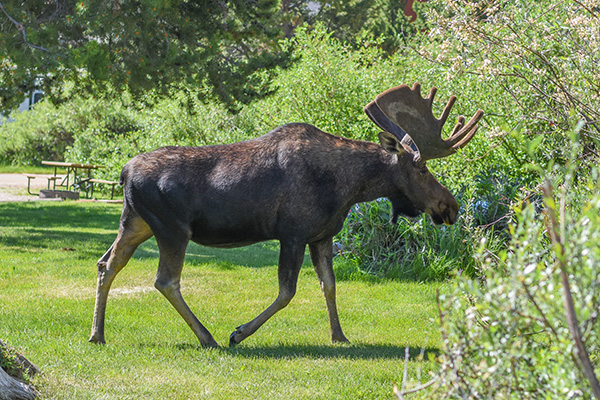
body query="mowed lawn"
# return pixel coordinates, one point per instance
(48, 253)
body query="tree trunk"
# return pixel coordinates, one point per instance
(11, 388)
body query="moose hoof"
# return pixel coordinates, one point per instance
(340, 340)
(232, 340)
(97, 340)
(210, 345)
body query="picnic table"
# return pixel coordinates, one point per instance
(78, 178)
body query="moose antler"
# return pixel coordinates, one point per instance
(405, 109)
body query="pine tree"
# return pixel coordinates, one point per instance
(141, 46)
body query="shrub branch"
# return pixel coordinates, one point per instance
(580, 350)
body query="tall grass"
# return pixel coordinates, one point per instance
(412, 249)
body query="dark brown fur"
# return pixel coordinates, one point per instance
(295, 184)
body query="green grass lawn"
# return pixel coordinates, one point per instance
(48, 253)
(28, 169)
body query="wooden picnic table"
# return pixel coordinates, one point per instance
(77, 179)
(78, 176)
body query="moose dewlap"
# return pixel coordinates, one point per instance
(295, 184)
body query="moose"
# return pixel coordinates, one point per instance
(295, 184)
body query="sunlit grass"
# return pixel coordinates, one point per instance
(27, 169)
(47, 288)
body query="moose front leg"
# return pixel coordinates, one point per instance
(291, 256)
(321, 254)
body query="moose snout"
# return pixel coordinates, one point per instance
(444, 213)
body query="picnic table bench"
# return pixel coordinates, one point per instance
(105, 182)
(51, 180)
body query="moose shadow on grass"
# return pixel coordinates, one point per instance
(355, 351)
(257, 255)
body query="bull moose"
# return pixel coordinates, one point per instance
(295, 184)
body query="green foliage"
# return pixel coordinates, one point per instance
(109, 133)
(327, 86)
(510, 334)
(120, 134)
(353, 21)
(49, 132)
(537, 61)
(505, 334)
(7, 359)
(510, 327)
(413, 249)
(43, 134)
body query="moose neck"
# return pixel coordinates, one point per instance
(368, 176)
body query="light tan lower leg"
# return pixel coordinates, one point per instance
(131, 234)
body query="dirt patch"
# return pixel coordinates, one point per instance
(13, 187)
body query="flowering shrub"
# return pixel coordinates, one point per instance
(539, 60)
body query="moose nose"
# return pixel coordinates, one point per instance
(445, 213)
(449, 212)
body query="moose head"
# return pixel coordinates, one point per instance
(412, 132)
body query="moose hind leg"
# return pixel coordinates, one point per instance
(291, 256)
(322, 257)
(132, 232)
(172, 255)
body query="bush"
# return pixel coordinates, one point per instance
(327, 86)
(510, 334)
(110, 133)
(506, 334)
(48, 131)
(122, 133)
(536, 62)
(42, 134)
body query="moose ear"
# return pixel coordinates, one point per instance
(390, 143)
(374, 112)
